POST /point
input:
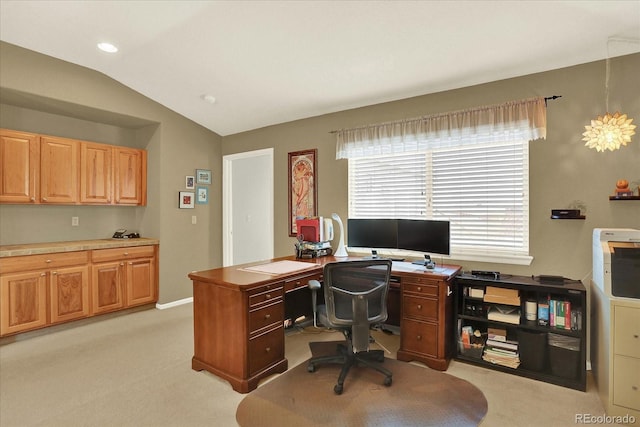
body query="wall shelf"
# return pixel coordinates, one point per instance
(575, 217)
(624, 197)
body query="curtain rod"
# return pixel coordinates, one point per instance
(546, 98)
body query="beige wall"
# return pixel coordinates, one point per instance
(562, 169)
(45, 95)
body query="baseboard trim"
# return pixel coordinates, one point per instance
(174, 303)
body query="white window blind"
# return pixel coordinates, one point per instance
(482, 190)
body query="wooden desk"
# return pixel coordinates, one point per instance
(238, 317)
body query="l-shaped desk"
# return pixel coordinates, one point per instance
(238, 315)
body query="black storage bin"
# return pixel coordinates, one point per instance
(564, 355)
(532, 347)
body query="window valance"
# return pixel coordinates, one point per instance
(523, 120)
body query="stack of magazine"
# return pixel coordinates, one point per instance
(501, 351)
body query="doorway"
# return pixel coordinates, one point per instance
(247, 197)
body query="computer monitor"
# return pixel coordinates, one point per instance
(372, 233)
(429, 236)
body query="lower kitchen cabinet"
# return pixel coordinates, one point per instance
(40, 290)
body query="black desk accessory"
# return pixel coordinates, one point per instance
(483, 273)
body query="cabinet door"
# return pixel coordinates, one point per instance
(95, 173)
(107, 282)
(19, 167)
(140, 281)
(130, 176)
(23, 301)
(69, 293)
(59, 170)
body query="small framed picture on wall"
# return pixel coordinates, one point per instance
(203, 176)
(190, 182)
(202, 195)
(186, 200)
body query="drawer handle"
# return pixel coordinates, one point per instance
(121, 264)
(634, 387)
(33, 199)
(268, 349)
(126, 253)
(54, 272)
(268, 296)
(267, 316)
(44, 199)
(419, 288)
(43, 274)
(419, 307)
(48, 261)
(635, 335)
(419, 337)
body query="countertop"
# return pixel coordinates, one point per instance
(72, 246)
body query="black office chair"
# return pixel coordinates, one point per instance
(355, 294)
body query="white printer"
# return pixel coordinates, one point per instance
(616, 262)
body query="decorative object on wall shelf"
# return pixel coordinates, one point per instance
(186, 199)
(202, 195)
(190, 182)
(622, 188)
(303, 187)
(203, 176)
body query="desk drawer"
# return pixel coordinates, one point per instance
(266, 349)
(424, 289)
(265, 295)
(627, 331)
(116, 254)
(626, 382)
(265, 316)
(45, 261)
(300, 281)
(419, 337)
(420, 308)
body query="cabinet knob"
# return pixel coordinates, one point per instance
(54, 272)
(268, 296)
(634, 387)
(126, 253)
(48, 261)
(44, 199)
(43, 274)
(419, 337)
(419, 307)
(268, 349)
(635, 335)
(122, 264)
(419, 288)
(33, 199)
(267, 316)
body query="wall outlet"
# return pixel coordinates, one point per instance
(75, 221)
(194, 219)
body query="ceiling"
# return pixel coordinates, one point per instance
(269, 62)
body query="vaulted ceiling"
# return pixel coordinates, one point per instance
(268, 62)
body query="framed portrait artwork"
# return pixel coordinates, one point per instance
(203, 176)
(186, 200)
(303, 185)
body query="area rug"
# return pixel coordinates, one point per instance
(419, 396)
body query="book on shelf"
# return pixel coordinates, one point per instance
(500, 358)
(502, 296)
(497, 334)
(502, 345)
(560, 315)
(504, 313)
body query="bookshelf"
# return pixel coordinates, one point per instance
(496, 310)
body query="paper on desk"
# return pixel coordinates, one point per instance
(280, 267)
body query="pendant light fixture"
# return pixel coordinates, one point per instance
(610, 131)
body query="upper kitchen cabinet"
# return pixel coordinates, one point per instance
(59, 160)
(42, 169)
(19, 167)
(96, 173)
(130, 176)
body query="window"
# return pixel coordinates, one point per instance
(482, 190)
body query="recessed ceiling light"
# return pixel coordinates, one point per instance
(209, 98)
(107, 47)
